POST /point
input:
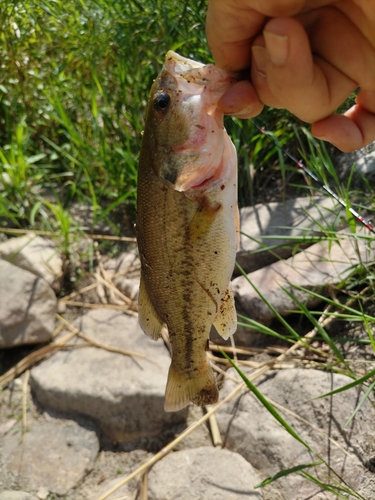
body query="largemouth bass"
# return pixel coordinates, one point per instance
(187, 223)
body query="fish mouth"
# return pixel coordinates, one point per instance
(198, 73)
(179, 65)
(197, 160)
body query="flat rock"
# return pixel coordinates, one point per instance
(323, 264)
(52, 456)
(251, 431)
(16, 495)
(123, 395)
(38, 255)
(27, 307)
(203, 473)
(276, 224)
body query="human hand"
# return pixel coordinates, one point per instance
(304, 56)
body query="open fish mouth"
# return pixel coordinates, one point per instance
(196, 161)
(197, 73)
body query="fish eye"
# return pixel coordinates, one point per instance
(162, 102)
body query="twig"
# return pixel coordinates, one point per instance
(110, 238)
(223, 372)
(248, 351)
(28, 231)
(56, 233)
(144, 486)
(100, 288)
(128, 270)
(25, 384)
(233, 345)
(134, 496)
(216, 359)
(108, 284)
(57, 330)
(215, 432)
(79, 292)
(89, 305)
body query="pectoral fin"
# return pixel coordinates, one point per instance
(226, 319)
(148, 318)
(203, 219)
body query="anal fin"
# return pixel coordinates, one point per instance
(226, 319)
(148, 318)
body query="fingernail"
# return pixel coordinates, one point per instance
(260, 59)
(246, 112)
(277, 47)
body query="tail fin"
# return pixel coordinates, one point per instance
(197, 387)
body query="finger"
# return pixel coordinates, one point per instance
(287, 8)
(241, 100)
(353, 130)
(232, 25)
(230, 28)
(329, 28)
(286, 75)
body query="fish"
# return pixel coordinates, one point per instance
(187, 223)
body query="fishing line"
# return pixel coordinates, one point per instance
(311, 174)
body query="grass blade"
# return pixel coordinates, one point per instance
(286, 472)
(365, 396)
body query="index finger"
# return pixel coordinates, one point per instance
(232, 25)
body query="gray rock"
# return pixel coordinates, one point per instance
(16, 495)
(51, 455)
(203, 474)
(275, 225)
(323, 264)
(27, 307)
(250, 430)
(7, 426)
(366, 164)
(368, 487)
(33, 253)
(125, 492)
(124, 396)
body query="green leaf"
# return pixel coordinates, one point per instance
(348, 386)
(286, 472)
(366, 395)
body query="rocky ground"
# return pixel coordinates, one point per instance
(83, 408)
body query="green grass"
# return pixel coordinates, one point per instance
(73, 93)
